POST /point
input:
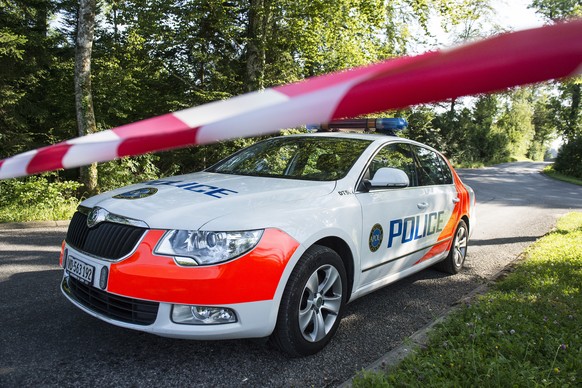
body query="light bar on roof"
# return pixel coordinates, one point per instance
(382, 125)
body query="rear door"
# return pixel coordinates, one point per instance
(440, 200)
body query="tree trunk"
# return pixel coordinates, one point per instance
(259, 15)
(83, 98)
(572, 127)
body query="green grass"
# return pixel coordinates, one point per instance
(549, 171)
(525, 332)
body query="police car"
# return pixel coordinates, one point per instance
(271, 241)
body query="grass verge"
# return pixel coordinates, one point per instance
(37, 198)
(524, 332)
(549, 171)
(56, 212)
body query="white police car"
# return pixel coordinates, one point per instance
(272, 241)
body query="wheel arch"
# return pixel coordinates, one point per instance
(465, 218)
(343, 250)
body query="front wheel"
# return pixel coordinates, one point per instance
(312, 303)
(456, 257)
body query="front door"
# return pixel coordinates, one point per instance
(403, 226)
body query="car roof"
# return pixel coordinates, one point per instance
(377, 138)
(348, 135)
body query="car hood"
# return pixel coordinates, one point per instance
(190, 201)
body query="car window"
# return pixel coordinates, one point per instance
(395, 155)
(432, 169)
(448, 175)
(307, 158)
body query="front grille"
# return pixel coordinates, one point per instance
(107, 239)
(119, 308)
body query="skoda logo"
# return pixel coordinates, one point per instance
(97, 215)
(376, 237)
(137, 194)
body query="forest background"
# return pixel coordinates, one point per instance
(150, 57)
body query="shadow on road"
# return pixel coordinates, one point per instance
(504, 240)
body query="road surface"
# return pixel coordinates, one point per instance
(44, 340)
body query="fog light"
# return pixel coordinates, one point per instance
(202, 315)
(103, 278)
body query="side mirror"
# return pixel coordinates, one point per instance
(388, 177)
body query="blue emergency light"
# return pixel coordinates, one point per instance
(394, 124)
(385, 125)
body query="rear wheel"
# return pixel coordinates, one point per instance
(312, 303)
(456, 257)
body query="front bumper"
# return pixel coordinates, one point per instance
(142, 288)
(254, 320)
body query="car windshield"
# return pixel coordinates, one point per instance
(307, 158)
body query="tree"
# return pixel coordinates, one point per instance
(516, 122)
(149, 57)
(544, 124)
(567, 107)
(259, 15)
(557, 9)
(25, 71)
(472, 19)
(83, 97)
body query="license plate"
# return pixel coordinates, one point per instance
(79, 270)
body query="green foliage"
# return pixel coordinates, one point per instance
(325, 36)
(485, 133)
(151, 57)
(37, 198)
(422, 126)
(516, 122)
(567, 106)
(11, 45)
(567, 109)
(569, 159)
(557, 9)
(515, 125)
(127, 171)
(544, 127)
(524, 331)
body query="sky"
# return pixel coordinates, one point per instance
(515, 14)
(509, 15)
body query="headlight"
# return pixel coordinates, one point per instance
(194, 247)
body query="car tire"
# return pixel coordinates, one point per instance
(456, 257)
(312, 303)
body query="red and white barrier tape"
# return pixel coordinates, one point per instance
(493, 64)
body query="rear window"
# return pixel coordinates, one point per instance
(433, 170)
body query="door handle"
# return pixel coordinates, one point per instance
(422, 205)
(456, 200)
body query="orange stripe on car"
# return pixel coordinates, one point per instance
(250, 278)
(461, 209)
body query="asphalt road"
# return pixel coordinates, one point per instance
(45, 341)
